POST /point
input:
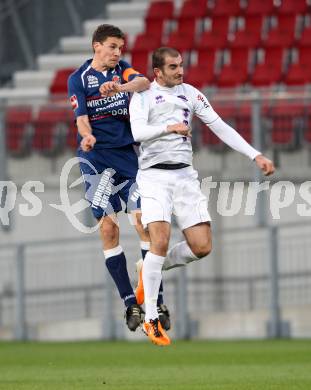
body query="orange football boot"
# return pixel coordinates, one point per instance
(153, 329)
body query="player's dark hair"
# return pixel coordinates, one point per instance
(105, 31)
(158, 56)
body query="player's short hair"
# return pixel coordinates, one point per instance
(105, 31)
(158, 56)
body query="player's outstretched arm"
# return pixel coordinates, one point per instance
(138, 84)
(265, 165)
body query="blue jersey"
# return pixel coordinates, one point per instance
(108, 116)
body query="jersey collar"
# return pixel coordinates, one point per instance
(162, 88)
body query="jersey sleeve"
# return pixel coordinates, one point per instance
(202, 107)
(204, 110)
(128, 72)
(77, 95)
(139, 113)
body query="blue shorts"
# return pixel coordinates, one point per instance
(109, 176)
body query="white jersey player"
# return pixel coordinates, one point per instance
(160, 120)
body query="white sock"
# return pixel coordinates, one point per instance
(179, 256)
(152, 276)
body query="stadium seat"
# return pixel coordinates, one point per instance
(59, 84)
(191, 12)
(291, 7)
(200, 75)
(194, 9)
(158, 12)
(250, 35)
(226, 7)
(299, 72)
(182, 42)
(142, 47)
(283, 35)
(217, 37)
(51, 130)
(236, 71)
(259, 7)
(286, 124)
(19, 130)
(269, 71)
(305, 39)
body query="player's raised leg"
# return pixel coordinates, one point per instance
(116, 264)
(198, 244)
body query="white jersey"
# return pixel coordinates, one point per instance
(151, 111)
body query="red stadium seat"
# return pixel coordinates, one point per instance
(236, 71)
(286, 123)
(250, 36)
(305, 39)
(158, 12)
(182, 43)
(191, 12)
(194, 9)
(59, 84)
(200, 75)
(299, 72)
(259, 7)
(215, 38)
(269, 71)
(283, 35)
(51, 130)
(19, 130)
(292, 7)
(143, 46)
(226, 7)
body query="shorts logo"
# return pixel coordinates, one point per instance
(159, 99)
(116, 79)
(74, 102)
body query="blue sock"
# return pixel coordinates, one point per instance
(144, 251)
(116, 264)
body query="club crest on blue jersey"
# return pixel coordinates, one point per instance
(92, 81)
(116, 79)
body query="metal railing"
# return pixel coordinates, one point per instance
(65, 280)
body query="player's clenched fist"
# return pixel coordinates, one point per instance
(179, 128)
(265, 164)
(109, 88)
(88, 142)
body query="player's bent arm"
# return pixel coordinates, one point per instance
(232, 138)
(85, 130)
(143, 132)
(138, 84)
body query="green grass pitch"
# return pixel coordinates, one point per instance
(193, 365)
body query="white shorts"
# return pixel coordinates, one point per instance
(176, 191)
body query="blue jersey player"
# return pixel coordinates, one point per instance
(99, 94)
